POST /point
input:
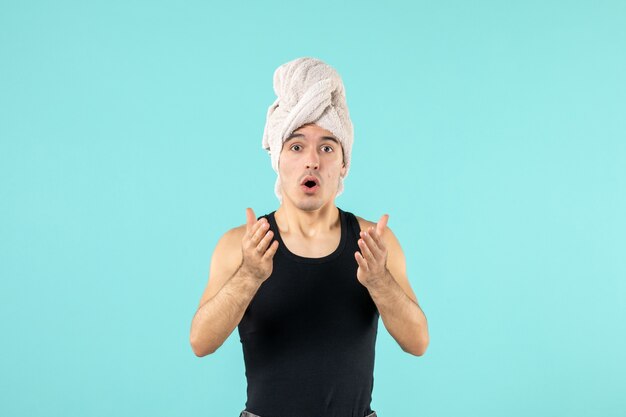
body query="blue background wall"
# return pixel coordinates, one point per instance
(493, 134)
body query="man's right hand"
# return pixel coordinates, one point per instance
(258, 259)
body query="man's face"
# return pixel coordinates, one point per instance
(311, 151)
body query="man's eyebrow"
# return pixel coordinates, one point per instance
(300, 135)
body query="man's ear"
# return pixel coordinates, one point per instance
(343, 170)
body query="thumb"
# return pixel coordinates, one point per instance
(382, 224)
(250, 218)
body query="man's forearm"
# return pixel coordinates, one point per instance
(402, 316)
(217, 318)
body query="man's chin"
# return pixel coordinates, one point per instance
(308, 202)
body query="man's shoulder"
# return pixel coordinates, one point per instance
(232, 237)
(388, 235)
(227, 253)
(363, 223)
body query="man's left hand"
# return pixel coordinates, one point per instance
(372, 259)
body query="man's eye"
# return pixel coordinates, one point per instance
(293, 147)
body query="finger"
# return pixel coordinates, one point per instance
(360, 260)
(259, 231)
(251, 238)
(382, 223)
(269, 254)
(365, 251)
(262, 246)
(250, 217)
(377, 240)
(250, 231)
(369, 238)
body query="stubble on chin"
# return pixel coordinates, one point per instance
(310, 205)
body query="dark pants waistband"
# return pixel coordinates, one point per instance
(245, 413)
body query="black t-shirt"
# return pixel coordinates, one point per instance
(309, 334)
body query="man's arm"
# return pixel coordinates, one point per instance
(241, 262)
(384, 276)
(218, 316)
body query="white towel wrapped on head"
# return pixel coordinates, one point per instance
(308, 91)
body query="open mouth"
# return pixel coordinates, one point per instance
(310, 184)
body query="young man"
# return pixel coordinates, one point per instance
(306, 284)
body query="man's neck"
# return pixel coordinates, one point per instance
(307, 224)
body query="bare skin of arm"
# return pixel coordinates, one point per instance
(382, 270)
(403, 318)
(241, 262)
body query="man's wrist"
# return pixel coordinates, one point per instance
(381, 285)
(246, 278)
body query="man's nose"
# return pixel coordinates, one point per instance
(313, 161)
